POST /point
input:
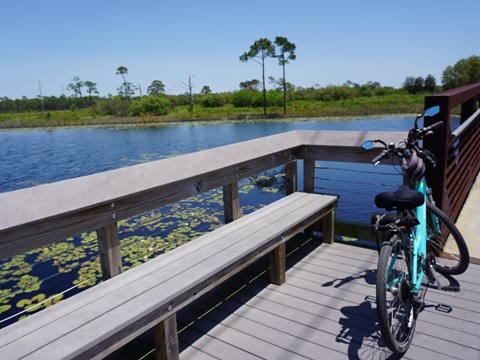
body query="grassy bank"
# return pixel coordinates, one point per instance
(359, 106)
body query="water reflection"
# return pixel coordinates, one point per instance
(34, 157)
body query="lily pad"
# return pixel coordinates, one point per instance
(4, 308)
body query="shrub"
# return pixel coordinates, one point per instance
(253, 98)
(150, 105)
(246, 98)
(274, 98)
(332, 93)
(212, 101)
(114, 106)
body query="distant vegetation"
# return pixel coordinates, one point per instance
(253, 99)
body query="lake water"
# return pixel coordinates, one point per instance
(33, 157)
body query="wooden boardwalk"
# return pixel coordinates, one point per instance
(325, 310)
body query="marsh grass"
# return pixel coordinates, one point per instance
(359, 106)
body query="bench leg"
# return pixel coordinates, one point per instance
(278, 265)
(329, 227)
(166, 339)
(326, 225)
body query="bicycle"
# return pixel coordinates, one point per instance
(419, 240)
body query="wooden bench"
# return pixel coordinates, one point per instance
(103, 318)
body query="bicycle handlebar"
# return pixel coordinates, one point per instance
(434, 126)
(414, 135)
(417, 134)
(382, 155)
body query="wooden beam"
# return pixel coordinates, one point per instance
(109, 248)
(329, 227)
(278, 266)
(166, 339)
(309, 175)
(34, 217)
(291, 177)
(231, 203)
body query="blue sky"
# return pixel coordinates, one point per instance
(51, 41)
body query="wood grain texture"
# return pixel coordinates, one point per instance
(38, 216)
(277, 262)
(166, 339)
(325, 310)
(109, 248)
(103, 318)
(231, 203)
(291, 177)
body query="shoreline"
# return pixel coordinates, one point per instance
(160, 122)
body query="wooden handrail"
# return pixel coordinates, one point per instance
(38, 216)
(456, 151)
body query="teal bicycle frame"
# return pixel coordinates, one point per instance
(419, 239)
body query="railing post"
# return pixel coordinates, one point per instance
(109, 248)
(309, 175)
(231, 203)
(438, 145)
(291, 177)
(468, 108)
(166, 339)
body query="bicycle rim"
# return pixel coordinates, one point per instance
(448, 245)
(395, 305)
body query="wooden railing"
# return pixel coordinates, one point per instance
(38, 216)
(457, 150)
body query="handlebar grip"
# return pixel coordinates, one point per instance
(435, 126)
(378, 158)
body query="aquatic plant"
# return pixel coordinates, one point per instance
(30, 281)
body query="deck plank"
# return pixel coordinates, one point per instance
(326, 309)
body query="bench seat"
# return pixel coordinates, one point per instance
(101, 319)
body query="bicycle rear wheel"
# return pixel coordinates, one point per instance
(395, 304)
(448, 245)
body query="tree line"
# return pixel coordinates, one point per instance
(251, 93)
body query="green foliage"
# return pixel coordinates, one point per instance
(464, 72)
(250, 85)
(418, 85)
(285, 50)
(274, 98)
(76, 86)
(246, 98)
(212, 100)
(4, 308)
(156, 87)
(115, 106)
(206, 90)
(127, 89)
(150, 105)
(333, 93)
(252, 98)
(259, 51)
(430, 84)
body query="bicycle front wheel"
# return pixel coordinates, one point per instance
(446, 242)
(395, 303)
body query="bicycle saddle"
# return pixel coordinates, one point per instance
(401, 199)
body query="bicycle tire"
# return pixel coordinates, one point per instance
(449, 247)
(395, 307)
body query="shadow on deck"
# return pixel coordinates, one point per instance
(325, 310)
